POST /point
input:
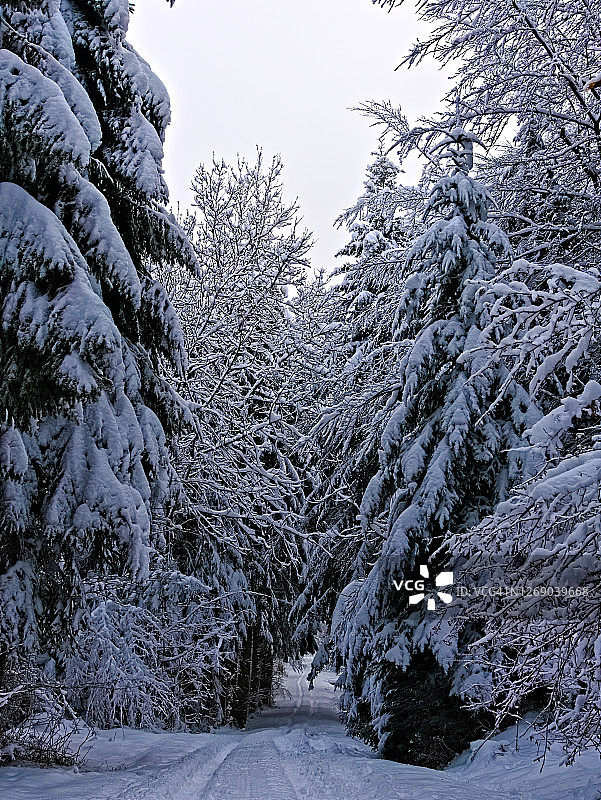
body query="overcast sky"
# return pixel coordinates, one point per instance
(282, 74)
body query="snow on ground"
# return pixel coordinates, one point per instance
(297, 751)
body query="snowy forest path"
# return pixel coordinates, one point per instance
(323, 763)
(297, 750)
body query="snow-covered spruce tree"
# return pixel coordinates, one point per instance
(85, 470)
(358, 356)
(445, 461)
(240, 326)
(541, 638)
(375, 229)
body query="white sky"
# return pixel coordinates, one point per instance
(282, 74)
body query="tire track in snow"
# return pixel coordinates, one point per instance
(179, 778)
(253, 770)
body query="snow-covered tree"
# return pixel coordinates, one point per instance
(532, 66)
(85, 470)
(540, 638)
(375, 227)
(445, 460)
(239, 318)
(156, 655)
